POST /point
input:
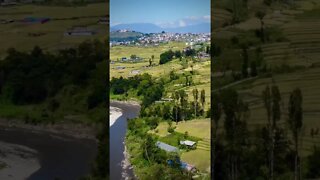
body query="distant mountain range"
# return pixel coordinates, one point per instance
(152, 28)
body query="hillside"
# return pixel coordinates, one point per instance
(284, 56)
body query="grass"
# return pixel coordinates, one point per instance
(200, 158)
(307, 80)
(200, 130)
(201, 79)
(16, 34)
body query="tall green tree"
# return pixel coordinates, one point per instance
(195, 94)
(245, 62)
(260, 15)
(203, 98)
(216, 115)
(295, 122)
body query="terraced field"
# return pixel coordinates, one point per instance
(309, 83)
(302, 47)
(51, 34)
(220, 17)
(197, 128)
(201, 79)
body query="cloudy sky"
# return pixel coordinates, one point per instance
(164, 13)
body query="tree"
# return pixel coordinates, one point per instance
(216, 114)
(203, 98)
(245, 62)
(271, 101)
(151, 60)
(195, 97)
(253, 69)
(260, 15)
(176, 97)
(295, 124)
(236, 113)
(183, 103)
(266, 96)
(133, 56)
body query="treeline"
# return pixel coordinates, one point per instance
(144, 86)
(149, 160)
(168, 56)
(31, 78)
(270, 151)
(179, 108)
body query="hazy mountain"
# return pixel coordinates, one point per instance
(152, 28)
(139, 27)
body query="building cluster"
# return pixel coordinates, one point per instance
(154, 39)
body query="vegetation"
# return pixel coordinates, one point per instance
(265, 91)
(163, 103)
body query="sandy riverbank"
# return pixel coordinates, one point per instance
(17, 162)
(115, 113)
(75, 130)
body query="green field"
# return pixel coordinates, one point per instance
(198, 128)
(201, 78)
(17, 35)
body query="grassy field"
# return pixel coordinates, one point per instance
(201, 78)
(308, 81)
(16, 34)
(198, 128)
(296, 46)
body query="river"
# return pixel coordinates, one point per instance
(60, 157)
(118, 168)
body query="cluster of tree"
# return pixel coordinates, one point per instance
(264, 152)
(30, 78)
(166, 57)
(154, 157)
(180, 108)
(245, 65)
(143, 85)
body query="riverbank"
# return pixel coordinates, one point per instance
(120, 167)
(81, 131)
(17, 162)
(115, 113)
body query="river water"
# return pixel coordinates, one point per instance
(117, 136)
(60, 157)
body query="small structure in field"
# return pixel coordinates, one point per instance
(188, 143)
(35, 20)
(79, 31)
(8, 3)
(135, 72)
(166, 147)
(120, 67)
(124, 59)
(183, 165)
(103, 20)
(6, 21)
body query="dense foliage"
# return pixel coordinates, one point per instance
(30, 78)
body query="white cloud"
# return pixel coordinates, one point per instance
(187, 21)
(182, 23)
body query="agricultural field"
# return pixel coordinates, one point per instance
(287, 56)
(50, 35)
(201, 77)
(196, 128)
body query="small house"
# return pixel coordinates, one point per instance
(135, 72)
(120, 67)
(33, 20)
(166, 147)
(188, 143)
(79, 31)
(124, 59)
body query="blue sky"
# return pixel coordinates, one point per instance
(165, 13)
